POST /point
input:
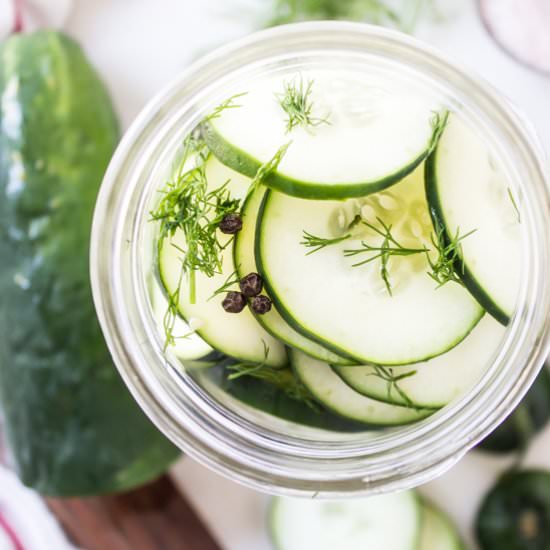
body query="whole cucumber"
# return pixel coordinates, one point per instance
(72, 426)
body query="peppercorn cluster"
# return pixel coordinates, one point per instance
(251, 287)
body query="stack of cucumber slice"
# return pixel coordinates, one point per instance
(399, 521)
(378, 228)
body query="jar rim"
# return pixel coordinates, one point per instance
(228, 443)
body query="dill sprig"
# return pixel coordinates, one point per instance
(189, 206)
(296, 102)
(283, 379)
(514, 204)
(267, 168)
(318, 243)
(378, 12)
(232, 280)
(438, 122)
(448, 265)
(387, 374)
(229, 103)
(389, 247)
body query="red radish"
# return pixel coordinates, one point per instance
(521, 28)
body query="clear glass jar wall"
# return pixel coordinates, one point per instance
(257, 449)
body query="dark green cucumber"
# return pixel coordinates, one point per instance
(72, 426)
(531, 416)
(515, 514)
(274, 400)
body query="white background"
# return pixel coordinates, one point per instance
(140, 45)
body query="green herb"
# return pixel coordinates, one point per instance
(296, 102)
(318, 243)
(187, 205)
(224, 105)
(232, 280)
(378, 12)
(283, 379)
(387, 374)
(514, 204)
(448, 265)
(439, 123)
(389, 247)
(268, 167)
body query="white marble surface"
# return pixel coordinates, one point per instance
(140, 45)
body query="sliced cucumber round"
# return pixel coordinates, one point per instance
(235, 334)
(467, 191)
(272, 321)
(330, 390)
(434, 383)
(188, 345)
(385, 522)
(365, 133)
(349, 309)
(438, 532)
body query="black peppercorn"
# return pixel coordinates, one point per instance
(231, 224)
(234, 302)
(251, 285)
(260, 304)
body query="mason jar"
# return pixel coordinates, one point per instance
(244, 444)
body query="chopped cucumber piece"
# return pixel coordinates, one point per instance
(385, 522)
(349, 309)
(329, 389)
(364, 133)
(246, 263)
(437, 533)
(235, 334)
(515, 515)
(467, 191)
(434, 383)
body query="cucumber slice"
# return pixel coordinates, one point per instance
(385, 522)
(235, 334)
(515, 515)
(188, 345)
(467, 191)
(378, 131)
(438, 532)
(246, 263)
(436, 382)
(348, 309)
(329, 389)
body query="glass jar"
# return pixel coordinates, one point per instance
(256, 449)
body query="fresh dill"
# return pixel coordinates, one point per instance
(282, 378)
(387, 374)
(448, 265)
(378, 12)
(296, 102)
(232, 280)
(268, 167)
(318, 243)
(388, 248)
(514, 204)
(229, 103)
(438, 122)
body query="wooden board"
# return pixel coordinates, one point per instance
(154, 517)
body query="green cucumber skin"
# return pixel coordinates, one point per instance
(73, 427)
(242, 162)
(438, 220)
(498, 524)
(529, 418)
(287, 316)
